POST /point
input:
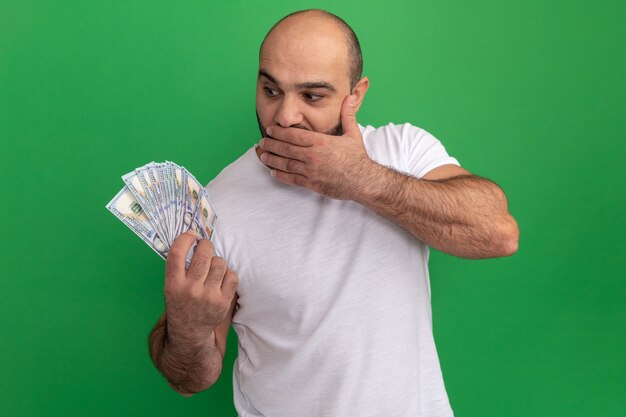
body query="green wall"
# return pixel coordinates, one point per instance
(530, 94)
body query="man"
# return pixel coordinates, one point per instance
(327, 224)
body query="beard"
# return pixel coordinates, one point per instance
(335, 131)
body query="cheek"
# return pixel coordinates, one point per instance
(264, 109)
(325, 119)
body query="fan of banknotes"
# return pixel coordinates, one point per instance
(159, 202)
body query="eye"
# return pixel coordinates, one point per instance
(270, 92)
(312, 97)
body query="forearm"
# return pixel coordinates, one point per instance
(466, 216)
(191, 363)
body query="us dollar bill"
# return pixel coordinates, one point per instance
(206, 215)
(127, 209)
(162, 200)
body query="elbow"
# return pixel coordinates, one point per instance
(180, 389)
(185, 394)
(508, 243)
(509, 247)
(184, 391)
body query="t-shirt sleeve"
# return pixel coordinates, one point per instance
(423, 152)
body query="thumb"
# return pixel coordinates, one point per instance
(348, 117)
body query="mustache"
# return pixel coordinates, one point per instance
(335, 131)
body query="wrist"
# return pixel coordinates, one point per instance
(370, 183)
(186, 338)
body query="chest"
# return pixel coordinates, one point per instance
(302, 257)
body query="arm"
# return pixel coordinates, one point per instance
(189, 365)
(188, 342)
(449, 209)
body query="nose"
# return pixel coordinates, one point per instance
(288, 113)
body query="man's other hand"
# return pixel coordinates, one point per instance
(333, 166)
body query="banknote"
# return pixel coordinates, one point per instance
(142, 194)
(206, 215)
(161, 200)
(127, 209)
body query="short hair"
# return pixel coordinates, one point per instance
(355, 58)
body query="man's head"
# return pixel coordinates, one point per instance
(309, 62)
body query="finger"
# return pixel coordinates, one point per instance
(288, 178)
(216, 272)
(284, 164)
(281, 148)
(230, 284)
(177, 256)
(201, 261)
(293, 135)
(348, 117)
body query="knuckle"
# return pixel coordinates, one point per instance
(290, 165)
(293, 150)
(231, 281)
(232, 287)
(195, 292)
(202, 264)
(222, 304)
(208, 298)
(188, 292)
(171, 270)
(233, 277)
(300, 181)
(219, 261)
(215, 303)
(170, 289)
(219, 265)
(201, 258)
(175, 252)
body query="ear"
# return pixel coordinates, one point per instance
(359, 91)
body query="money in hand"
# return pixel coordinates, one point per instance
(159, 201)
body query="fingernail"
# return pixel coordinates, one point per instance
(268, 130)
(191, 232)
(263, 157)
(273, 173)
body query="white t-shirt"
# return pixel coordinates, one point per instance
(334, 315)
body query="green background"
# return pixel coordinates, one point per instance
(530, 94)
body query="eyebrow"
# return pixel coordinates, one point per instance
(301, 86)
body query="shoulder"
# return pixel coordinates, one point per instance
(242, 182)
(405, 147)
(402, 137)
(237, 172)
(391, 144)
(392, 131)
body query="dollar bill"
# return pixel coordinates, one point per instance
(126, 208)
(159, 201)
(206, 215)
